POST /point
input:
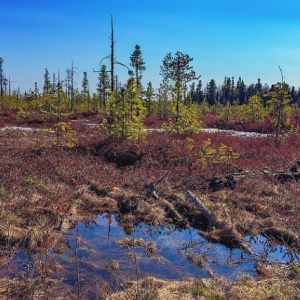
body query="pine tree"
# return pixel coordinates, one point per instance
(47, 83)
(138, 64)
(178, 70)
(36, 103)
(255, 109)
(149, 95)
(127, 111)
(48, 95)
(85, 90)
(60, 101)
(164, 93)
(279, 104)
(103, 86)
(185, 116)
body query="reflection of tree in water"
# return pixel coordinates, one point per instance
(267, 250)
(160, 251)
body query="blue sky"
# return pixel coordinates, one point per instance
(225, 38)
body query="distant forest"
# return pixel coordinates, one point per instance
(181, 101)
(232, 91)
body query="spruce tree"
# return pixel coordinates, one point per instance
(241, 91)
(258, 87)
(226, 91)
(211, 92)
(199, 93)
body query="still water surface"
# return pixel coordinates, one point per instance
(170, 261)
(91, 247)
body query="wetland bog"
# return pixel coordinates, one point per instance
(81, 221)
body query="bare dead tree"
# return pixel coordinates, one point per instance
(112, 59)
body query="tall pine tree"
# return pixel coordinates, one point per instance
(137, 62)
(103, 86)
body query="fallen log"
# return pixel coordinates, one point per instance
(150, 188)
(202, 208)
(172, 212)
(223, 233)
(217, 183)
(284, 176)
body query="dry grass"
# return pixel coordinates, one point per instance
(36, 289)
(151, 288)
(44, 191)
(275, 288)
(277, 282)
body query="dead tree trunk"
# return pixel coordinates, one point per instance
(228, 235)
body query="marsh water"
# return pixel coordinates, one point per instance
(99, 251)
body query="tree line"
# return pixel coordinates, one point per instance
(230, 91)
(180, 98)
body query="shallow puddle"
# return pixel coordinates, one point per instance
(94, 253)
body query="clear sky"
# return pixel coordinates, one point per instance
(225, 38)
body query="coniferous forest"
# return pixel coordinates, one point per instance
(215, 162)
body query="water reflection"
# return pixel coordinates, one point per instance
(265, 250)
(174, 247)
(103, 251)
